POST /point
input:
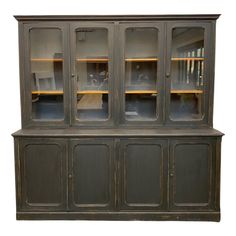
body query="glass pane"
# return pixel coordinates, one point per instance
(187, 74)
(46, 73)
(92, 73)
(141, 62)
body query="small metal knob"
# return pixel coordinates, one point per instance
(167, 75)
(171, 174)
(72, 75)
(70, 176)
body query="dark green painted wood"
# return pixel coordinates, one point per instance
(24, 37)
(157, 132)
(143, 174)
(160, 27)
(91, 174)
(129, 215)
(117, 170)
(110, 29)
(191, 174)
(208, 38)
(43, 174)
(175, 17)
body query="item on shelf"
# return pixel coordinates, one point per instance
(45, 80)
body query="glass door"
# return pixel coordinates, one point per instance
(186, 73)
(46, 71)
(141, 72)
(92, 72)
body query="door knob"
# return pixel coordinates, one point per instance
(167, 75)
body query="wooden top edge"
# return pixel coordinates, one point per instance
(75, 132)
(116, 17)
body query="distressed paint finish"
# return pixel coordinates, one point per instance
(117, 169)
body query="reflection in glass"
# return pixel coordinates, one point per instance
(141, 57)
(187, 73)
(92, 74)
(46, 73)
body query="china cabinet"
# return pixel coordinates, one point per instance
(117, 118)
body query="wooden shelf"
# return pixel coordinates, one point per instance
(173, 91)
(182, 91)
(59, 92)
(92, 92)
(92, 60)
(140, 91)
(48, 92)
(187, 59)
(141, 59)
(46, 59)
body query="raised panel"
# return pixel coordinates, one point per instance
(143, 174)
(191, 174)
(43, 164)
(92, 177)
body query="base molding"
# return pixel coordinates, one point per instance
(149, 216)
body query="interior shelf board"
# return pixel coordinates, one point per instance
(187, 59)
(92, 92)
(186, 91)
(140, 91)
(93, 60)
(46, 59)
(48, 92)
(141, 59)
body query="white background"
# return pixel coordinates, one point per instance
(224, 114)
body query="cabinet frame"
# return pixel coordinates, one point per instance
(116, 133)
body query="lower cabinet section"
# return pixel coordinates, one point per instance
(167, 178)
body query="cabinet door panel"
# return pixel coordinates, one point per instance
(46, 71)
(191, 174)
(141, 72)
(92, 179)
(43, 164)
(143, 174)
(92, 69)
(188, 66)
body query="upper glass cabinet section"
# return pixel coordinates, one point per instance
(46, 67)
(126, 73)
(187, 74)
(92, 74)
(141, 65)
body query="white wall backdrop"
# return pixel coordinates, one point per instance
(224, 114)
